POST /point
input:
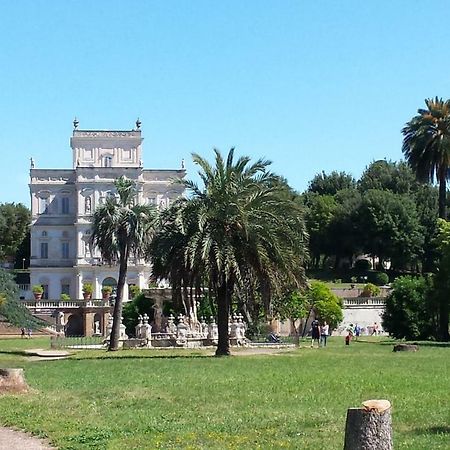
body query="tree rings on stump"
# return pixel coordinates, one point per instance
(12, 380)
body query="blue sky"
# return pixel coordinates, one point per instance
(312, 86)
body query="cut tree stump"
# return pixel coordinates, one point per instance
(12, 380)
(369, 427)
(406, 348)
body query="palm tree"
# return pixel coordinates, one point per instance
(237, 228)
(426, 145)
(121, 229)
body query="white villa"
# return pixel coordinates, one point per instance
(63, 200)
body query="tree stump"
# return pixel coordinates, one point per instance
(12, 380)
(406, 348)
(369, 427)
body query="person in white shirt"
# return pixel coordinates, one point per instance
(324, 333)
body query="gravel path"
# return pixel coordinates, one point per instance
(16, 440)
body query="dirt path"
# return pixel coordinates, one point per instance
(17, 440)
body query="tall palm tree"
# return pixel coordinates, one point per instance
(426, 145)
(121, 229)
(239, 227)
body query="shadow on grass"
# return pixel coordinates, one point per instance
(380, 342)
(441, 429)
(115, 356)
(14, 352)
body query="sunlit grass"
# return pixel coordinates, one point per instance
(188, 399)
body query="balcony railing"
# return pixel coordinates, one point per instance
(370, 302)
(53, 304)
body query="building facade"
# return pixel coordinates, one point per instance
(63, 201)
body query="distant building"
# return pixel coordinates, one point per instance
(63, 201)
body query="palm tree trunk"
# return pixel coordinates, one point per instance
(442, 196)
(117, 314)
(223, 345)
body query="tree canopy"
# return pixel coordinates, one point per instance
(14, 225)
(241, 228)
(122, 228)
(426, 145)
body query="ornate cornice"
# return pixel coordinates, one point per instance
(106, 134)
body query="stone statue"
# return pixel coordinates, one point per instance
(171, 327)
(182, 330)
(213, 331)
(88, 205)
(31, 163)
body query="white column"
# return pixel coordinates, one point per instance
(79, 292)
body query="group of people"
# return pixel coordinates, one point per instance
(355, 332)
(26, 332)
(319, 333)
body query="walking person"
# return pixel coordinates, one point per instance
(324, 333)
(315, 333)
(22, 333)
(357, 332)
(375, 329)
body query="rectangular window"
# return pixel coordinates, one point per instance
(45, 293)
(65, 250)
(65, 289)
(65, 205)
(44, 250)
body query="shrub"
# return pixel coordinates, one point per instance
(37, 289)
(363, 265)
(134, 290)
(379, 278)
(370, 290)
(131, 310)
(65, 297)
(88, 288)
(107, 290)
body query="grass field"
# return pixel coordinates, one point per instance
(189, 400)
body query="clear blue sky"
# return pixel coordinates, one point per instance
(310, 85)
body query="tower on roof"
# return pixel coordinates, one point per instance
(100, 148)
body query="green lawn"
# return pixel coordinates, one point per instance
(168, 400)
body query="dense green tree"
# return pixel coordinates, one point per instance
(330, 184)
(426, 200)
(383, 175)
(122, 229)
(292, 306)
(390, 228)
(14, 226)
(239, 228)
(10, 306)
(326, 305)
(426, 145)
(442, 279)
(344, 240)
(410, 311)
(320, 212)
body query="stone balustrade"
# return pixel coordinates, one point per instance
(358, 302)
(53, 304)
